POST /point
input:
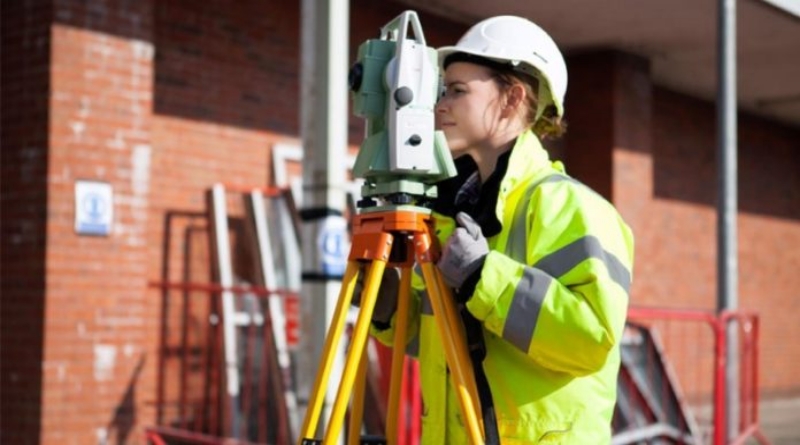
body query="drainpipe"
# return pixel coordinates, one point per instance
(325, 242)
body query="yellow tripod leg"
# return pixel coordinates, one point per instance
(455, 348)
(357, 408)
(357, 342)
(454, 320)
(398, 355)
(332, 338)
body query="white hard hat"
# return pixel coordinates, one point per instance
(523, 44)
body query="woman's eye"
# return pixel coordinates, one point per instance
(453, 91)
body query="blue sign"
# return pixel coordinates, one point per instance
(334, 245)
(94, 208)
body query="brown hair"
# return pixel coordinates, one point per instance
(549, 125)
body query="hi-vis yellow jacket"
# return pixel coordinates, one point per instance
(552, 299)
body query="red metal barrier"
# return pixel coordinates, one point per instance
(410, 410)
(165, 436)
(153, 437)
(695, 345)
(191, 387)
(749, 425)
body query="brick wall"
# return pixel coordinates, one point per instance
(99, 319)
(25, 85)
(683, 245)
(660, 147)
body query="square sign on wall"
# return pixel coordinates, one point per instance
(94, 208)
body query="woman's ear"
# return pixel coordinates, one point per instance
(515, 98)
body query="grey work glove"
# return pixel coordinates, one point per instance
(464, 252)
(386, 303)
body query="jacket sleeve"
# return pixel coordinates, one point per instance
(565, 306)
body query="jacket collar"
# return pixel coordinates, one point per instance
(528, 158)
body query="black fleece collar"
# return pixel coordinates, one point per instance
(484, 210)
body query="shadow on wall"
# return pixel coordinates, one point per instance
(230, 63)
(184, 329)
(233, 64)
(241, 65)
(124, 418)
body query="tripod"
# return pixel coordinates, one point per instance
(396, 236)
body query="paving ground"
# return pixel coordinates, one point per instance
(780, 420)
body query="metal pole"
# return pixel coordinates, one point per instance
(727, 264)
(325, 242)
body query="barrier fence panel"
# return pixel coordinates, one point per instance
(224, 367)
(193, 367)
(748, 338)
(671, 382)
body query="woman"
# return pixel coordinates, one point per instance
(538, 259)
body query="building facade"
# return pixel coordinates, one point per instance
(160, 100)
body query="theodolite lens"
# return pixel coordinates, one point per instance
(355, 76)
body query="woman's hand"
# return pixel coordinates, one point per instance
(464, 252)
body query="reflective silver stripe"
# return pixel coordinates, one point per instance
(516, 246)
(525, 306)
(560, 262)
(566, 258)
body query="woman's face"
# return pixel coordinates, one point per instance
(469, 110)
